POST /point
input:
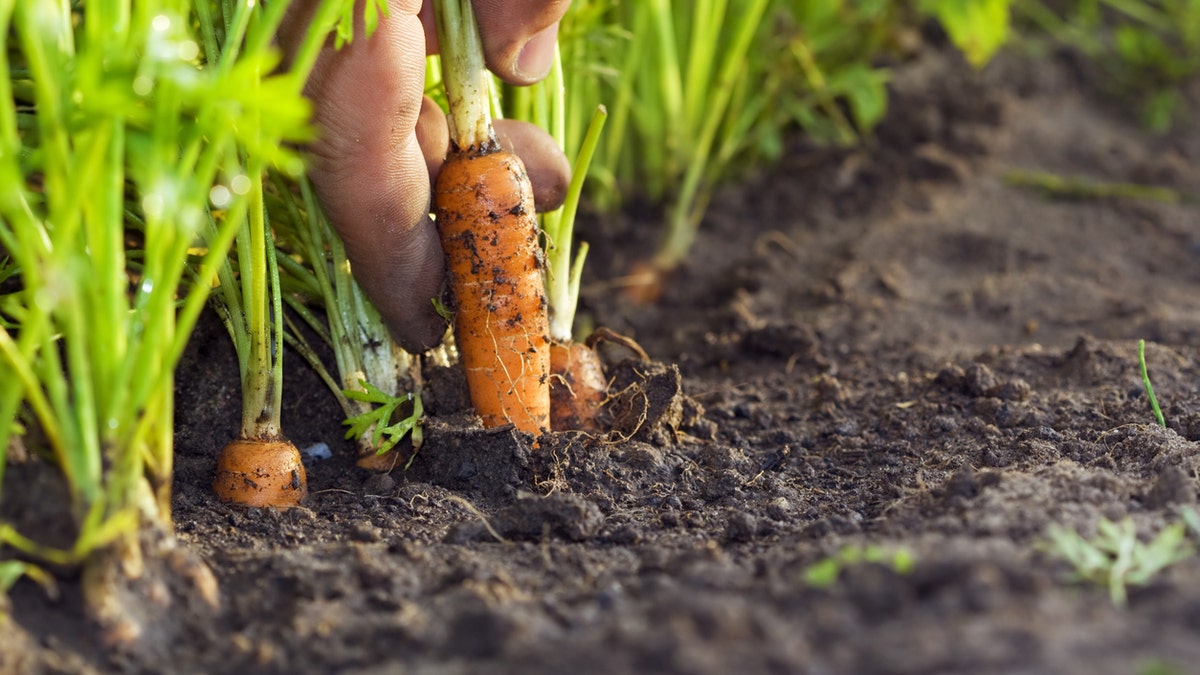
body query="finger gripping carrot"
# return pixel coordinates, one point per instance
(489, 234)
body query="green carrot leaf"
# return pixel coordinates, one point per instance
(377, 421)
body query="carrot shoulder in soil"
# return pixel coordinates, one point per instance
(486, 218)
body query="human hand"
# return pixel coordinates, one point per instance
(382, 144)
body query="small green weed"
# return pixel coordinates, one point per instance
(377, 422)
(977, 27)
(1055, 186)
(1116, 557)
(825, 572)
(1149, 387)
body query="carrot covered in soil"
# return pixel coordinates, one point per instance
(486, 218)
(578, 387)
(260, 473)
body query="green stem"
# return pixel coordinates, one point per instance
(707, 18)
(624, 98)
(1144, 12)
(348, 344)
(276, 386)
(307, 316)
(353, 329)
(10, 139)
(1066, 187)
(235, 32)
(296, 340)
(669, 79)
(817, 83)
(41, 406)
(684, 218)
(109, 309)
(260, 415)
(338, 289)
(300, 279)
(564, 278)
(15, 207)
(465, 75)
(1149, 388)
(208, 34)
(20, 542)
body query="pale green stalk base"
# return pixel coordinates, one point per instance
(467, 82)
(369, 363)
(564, 276)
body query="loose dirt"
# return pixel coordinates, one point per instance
(890, 349)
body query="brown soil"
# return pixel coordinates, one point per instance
(886, 347)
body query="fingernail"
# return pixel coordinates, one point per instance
(536, 57)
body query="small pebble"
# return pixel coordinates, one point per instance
(364, 531)
(780, 508)
(317, 451)
(379, 484)
(740, 527)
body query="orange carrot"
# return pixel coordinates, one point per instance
(489, 232)
(260, 472)
(485, 216)
(645, 282)
(578, 385)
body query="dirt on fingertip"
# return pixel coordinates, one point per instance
(880, 379)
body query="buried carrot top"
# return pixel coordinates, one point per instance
(260, 467)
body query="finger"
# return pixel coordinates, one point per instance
(433, 134)
(371, 176)
(518, 36)
(547, 166)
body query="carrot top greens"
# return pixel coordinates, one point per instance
(133, 139)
